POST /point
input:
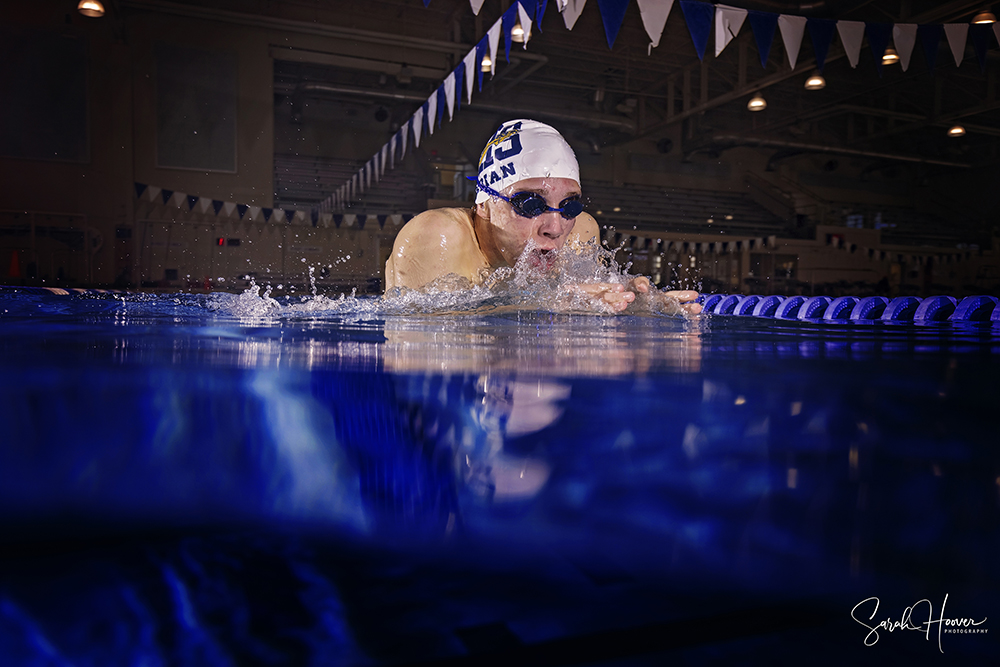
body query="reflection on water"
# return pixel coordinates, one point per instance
(343, 488)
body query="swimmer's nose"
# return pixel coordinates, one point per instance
(552, 226)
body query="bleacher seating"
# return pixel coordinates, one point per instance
(912, 226)
(679, 210)
(304, 181)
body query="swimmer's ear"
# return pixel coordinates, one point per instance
(483, 211)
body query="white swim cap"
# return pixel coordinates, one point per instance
(523, 149)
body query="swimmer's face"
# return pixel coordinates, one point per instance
(549, 231)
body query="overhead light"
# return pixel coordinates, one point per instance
(815, 82)
(617, 209)
(984, 16)
(956, 131)
(517, 34)
(890, 57)
(487, 65)
(757, 103)
(92, 8)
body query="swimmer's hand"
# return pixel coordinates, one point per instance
(686, 298)
(612, 295)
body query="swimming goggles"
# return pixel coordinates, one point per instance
(532, 204)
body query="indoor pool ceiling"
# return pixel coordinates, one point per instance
(393, 53)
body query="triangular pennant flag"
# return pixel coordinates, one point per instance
(571, 11)
(217, 206)
(167, 194)
(980, 34)
(728, 21)
(698, 16)
(338, 219)
(396, 219)
(852, 33)
(540, 12)
(878, 40)
(525, 17)
(481, 50)
(449, 95)
(392, 150)
(763, 25)
(385, 156)
(470, 63)
(139, 189)
(930, 39)
(957, 34)
(792, 28)
(362, 218)
(407, 217)
(242, 208)
(191, 201)
(314, 216)
(349, 219)
(442, 102)
(290, 214)
(229, 207)
(476, 6)
(369, 168)
(904, 37)
(430, 111)
(459, 77)
(418, 124)
(613, 13)
(381, 221)
(324, 220)
(153, 192)
(180, 198)
(267, 213)
(493, 37)
(254, 212)
(404, 137)
(509, 18)
(821, 34)
(203, 204)
(654, 15)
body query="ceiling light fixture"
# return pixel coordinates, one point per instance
(92, 8)
(985, 16)
(757, 103)
(487, 65)
(517, 34)
(815, 81)
(956, 131)
(890, 57)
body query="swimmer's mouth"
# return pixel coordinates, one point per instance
(543, 257)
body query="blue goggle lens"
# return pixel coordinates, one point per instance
(530, 205)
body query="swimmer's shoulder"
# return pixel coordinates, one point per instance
(452, 225)
(434, 244)
(584, 229)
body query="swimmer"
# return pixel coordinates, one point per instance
(528, 197)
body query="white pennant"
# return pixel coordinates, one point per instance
(203, 204)
(180, 198)
(470, 74)
(525, 24)
(792, 29)
(449, 94)
(728, 21)
(570, 10)
(404, 137)
(385, 154)
(395, 219)
(229, 207)
(392, 150)
(432, 102)
(277, 215)
(326, 218)
(494, 36)
(476, 6)
(349, 220)
(252, 213)
(369, 168)
(957, 33)
(904, 36)
(851, 35)
(654, 15)
(418, 126)
(152, 192)
(354, 186)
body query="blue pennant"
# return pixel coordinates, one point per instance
(407, 217)
(698, 16)
(337, 219)
(267, 213)
(613, 13)
(442, 101)
(217, 205)
(482, 48)
(539, 13)
(242, 208)
(314, 216)
(821, 33)
(362, 219)
(166, 194)
(139, 189)
(764, 25)
(427, 118)
(508, 20)
(381, 221)
(192, 200)
(878, 39)
(980, 35)
(289, 214)
(459, 80)
(930, 38)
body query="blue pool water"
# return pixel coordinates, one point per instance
(228, 480)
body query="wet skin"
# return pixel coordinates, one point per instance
(446, 242)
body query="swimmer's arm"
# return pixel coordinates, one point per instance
(430, 246)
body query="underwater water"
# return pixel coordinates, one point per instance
(233, 479)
